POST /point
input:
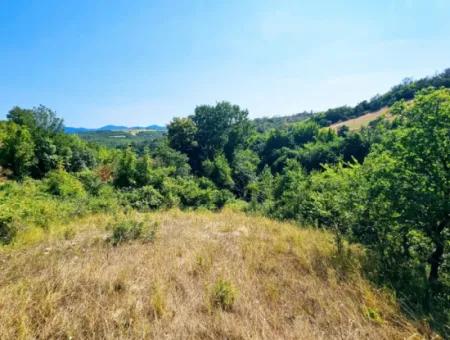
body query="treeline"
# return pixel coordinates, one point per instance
(404, 91)
(267, 123)
(33, 143)
(386, 186)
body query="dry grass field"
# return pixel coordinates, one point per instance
(204, 276)
(359, 122)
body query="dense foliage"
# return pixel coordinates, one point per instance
(386, 186)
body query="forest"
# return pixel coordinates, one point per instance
(385, 187)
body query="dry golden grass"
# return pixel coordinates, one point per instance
(284, 279)
(364, 120)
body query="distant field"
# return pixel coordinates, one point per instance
(120, 138)
(357, 123)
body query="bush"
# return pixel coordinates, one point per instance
(7, 229)
(130, 230)
(223, 295)
(61, 183)
(221, 197)
(237, 205)
(106, 200)
(145, 198)
(91, 181)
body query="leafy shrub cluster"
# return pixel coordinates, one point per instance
(61, 183)
(40, 204)
(128, 230)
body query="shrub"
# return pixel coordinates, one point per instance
(237, 205)
(91, 181)
(7, 229)
(130, 230)
(221, 197)
(107, 199)
(145, 198)
(219, 171)
(170, 190)
(126, 231)
(196, 193)
(223, 295)
(61, 183)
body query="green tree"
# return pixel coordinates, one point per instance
(245, 164)
(40, 118)
(334, 200)
(276, 141)
(165, 156)
(22, 117)
(181, 133)
(17, 150)
(144, 169)
(219, 126)
(290, 192)
(262, 190)
(421, 145)
(47, 157)
(219, 171)
(125, 174)
(304, 132)
(406, 180)
(47, 120)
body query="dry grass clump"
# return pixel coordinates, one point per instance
(205, 276)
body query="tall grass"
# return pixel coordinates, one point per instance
(205, 276)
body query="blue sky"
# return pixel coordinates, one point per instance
(142, 62)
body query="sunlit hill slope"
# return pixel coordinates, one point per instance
(194, 275)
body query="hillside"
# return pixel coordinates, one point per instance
(111, 128)
(84, 252)
(359, 122)
(205, 275)
(120, 138)
(404, 91)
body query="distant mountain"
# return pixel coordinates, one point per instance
(113, 128)
(68, 129)
(110, 127)
(156, 127)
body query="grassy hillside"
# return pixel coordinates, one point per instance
(120, 138)
(359, 122)
(200, 275)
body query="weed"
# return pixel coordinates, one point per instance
(158, 301)
(223, 295)
(69, 233)
(373, 315)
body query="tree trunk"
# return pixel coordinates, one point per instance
(435, 261)
(436, 257)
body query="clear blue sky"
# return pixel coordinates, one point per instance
(143, 62)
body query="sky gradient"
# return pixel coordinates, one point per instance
(143, 62)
